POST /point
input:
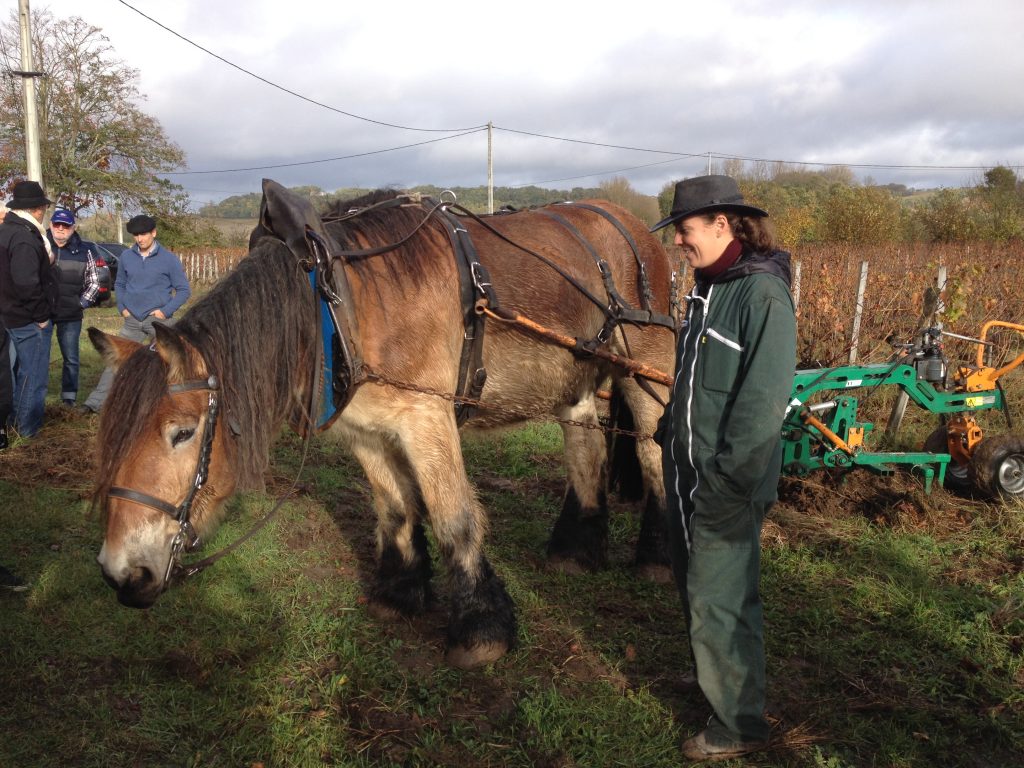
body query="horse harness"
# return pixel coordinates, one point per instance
(477, 295)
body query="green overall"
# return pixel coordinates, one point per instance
(722, 453)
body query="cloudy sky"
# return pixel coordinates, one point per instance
(578, 92)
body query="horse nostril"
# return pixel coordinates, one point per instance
(141, 577)
(138, 590)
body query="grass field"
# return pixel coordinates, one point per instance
(895, 629)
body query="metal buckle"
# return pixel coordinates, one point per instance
(478, 281)
(445, 204)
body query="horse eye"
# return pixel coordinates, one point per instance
(181, 436)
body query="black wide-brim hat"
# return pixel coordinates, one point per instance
(28, 195)
(707, 193)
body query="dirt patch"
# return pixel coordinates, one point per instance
(897, 502)
(60, 456)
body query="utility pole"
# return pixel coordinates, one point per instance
(709, 163)
(490, 167)
(33, 164)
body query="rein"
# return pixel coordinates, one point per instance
(443, 206)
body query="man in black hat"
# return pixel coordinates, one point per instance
(6, 382)
(151, 285)
(721, 450)
(28, 294)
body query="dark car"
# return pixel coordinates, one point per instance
(106, 267)
(114, 249)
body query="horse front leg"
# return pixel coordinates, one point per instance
(579, 539)
(401, 585)
(482, 623)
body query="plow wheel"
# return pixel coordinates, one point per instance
(997, 466)
(957, 475)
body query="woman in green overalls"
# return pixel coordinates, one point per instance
(721, 448)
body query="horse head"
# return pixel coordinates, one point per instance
(165, 469)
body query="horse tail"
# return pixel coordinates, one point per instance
(624, 473)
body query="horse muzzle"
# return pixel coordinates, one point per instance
(137, 586)
(140, 590)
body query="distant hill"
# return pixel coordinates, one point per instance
(474, 198)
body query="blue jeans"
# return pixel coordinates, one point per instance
(6, 379)
(136, 330)
(31, 375)
(68, 334)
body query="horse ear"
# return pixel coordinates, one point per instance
(171, 348)
(113, 349)
(288, 217)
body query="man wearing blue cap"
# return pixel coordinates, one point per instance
(78, 284)
(151, 286)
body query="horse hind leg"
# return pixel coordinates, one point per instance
(579, 539)
(482, 624)
(401, 585)
(634, 409)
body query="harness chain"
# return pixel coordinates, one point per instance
(384, 379)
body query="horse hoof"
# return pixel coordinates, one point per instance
(462, 657)
(657, 574)
(565, 565)
(383, 611)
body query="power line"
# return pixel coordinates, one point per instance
(723, 156)
(603, 173)
(879, 166)
(287, 90)
(324, 160)
(601, 144)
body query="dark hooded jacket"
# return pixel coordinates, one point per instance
(28, 289)
(735, 362)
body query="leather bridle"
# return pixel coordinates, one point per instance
(186, 539)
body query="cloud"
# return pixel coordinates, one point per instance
(869, 82)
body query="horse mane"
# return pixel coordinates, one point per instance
(377, 224)
(255, 331)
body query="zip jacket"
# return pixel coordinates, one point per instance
(78, 282)
(144, 285)
(28, 288)
(735, 361)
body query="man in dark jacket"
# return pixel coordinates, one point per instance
(6, 383)
(28, 295)
(722, 451)
(77, 286)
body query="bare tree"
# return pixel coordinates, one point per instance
(97, 144)
(618, 190)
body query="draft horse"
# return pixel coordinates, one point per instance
(190, 419)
